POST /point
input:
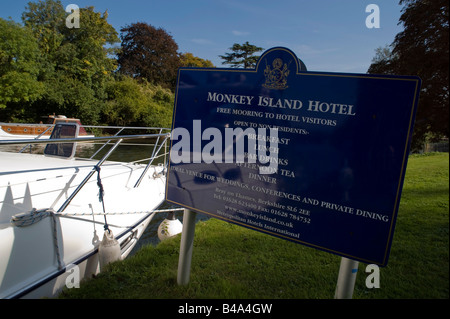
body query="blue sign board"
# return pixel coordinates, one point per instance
(312, 157)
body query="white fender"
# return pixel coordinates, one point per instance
(108, 250)
(169, 227)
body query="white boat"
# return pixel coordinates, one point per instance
(55, 209)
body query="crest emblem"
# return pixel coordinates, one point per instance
(276, 78)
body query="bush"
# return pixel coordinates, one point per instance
(136, 103)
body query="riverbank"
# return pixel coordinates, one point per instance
(230, 261)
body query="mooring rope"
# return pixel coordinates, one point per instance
(101, 192)
(27, 219)
(35, 216)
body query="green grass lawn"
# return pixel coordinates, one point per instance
(230, 261)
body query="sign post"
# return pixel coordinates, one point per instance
(316, 158)
(186, 247)
(346, 278)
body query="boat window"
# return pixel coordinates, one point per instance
(65, 150)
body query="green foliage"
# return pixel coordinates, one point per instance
(242, 56)
(19, 66)
(422, 49)
(132, 103)
(76, 65)
(68, 95)
(160, 108)
(189, 60)
(46, 68)
(45, 19)
(83, 51)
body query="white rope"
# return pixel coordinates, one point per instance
(27, 219)
(35, 216)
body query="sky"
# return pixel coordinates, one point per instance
(327, 35)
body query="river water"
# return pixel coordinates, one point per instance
(126, 152)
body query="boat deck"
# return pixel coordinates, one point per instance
(29, 181)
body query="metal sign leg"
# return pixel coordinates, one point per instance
(346, 279)
(186, 246)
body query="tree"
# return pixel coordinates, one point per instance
(19, 69)
(84, 49)
(189, 60)
(422, 49)
(126, 101)
(383, 61)
(150, 53)
(48, 67)
(45, 19)
(76, 64)
(137, 103)
(242, 56)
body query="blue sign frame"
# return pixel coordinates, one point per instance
(333, 176)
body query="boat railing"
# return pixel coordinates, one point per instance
(37, 137)
(83, 139)
(89, 139)
(162, 138)
(88, 128)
